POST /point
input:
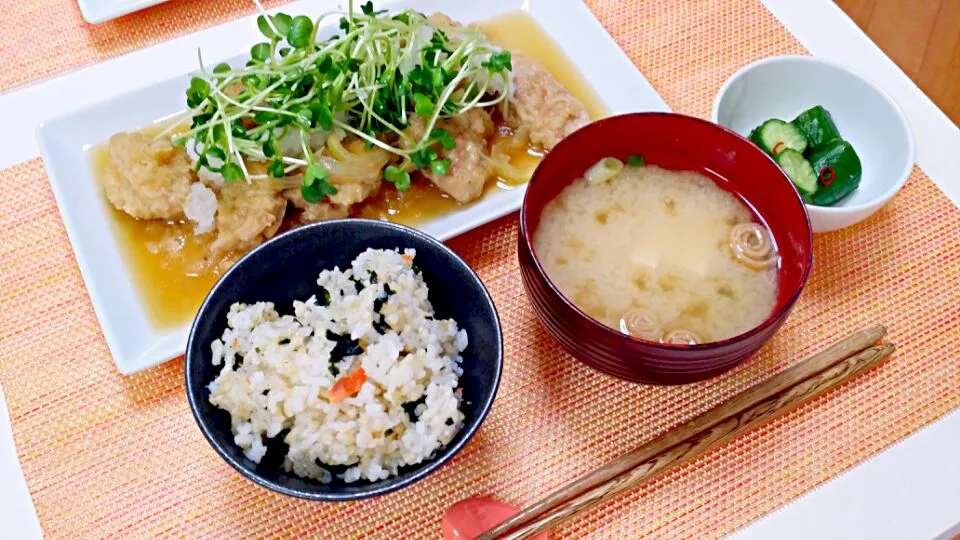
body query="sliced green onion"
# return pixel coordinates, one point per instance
(636, 161)
(603, 170)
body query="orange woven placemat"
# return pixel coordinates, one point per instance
(50, 37)
(106, 455)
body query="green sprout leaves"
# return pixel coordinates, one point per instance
(440, 167)
(443, 137)
(315, 186)
(281, 22)
(199, 90)
(300, 35)
(398, 177)
(498, 62)
(321, 115)
(424, 158)
(231, 172)
(368, 81)
(422, 104)
(261, 52)
(367, 9)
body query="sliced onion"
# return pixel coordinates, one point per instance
(347, 167)
(501, 153)
(335, 147)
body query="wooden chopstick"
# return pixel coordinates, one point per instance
(737, 424)
(789, 388)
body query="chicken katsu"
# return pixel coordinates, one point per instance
(232, 189)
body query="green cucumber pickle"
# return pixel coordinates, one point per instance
(847, 172)
(817, 125)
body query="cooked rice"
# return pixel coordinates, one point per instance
(279, 369)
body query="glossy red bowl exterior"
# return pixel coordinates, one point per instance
(678, 142)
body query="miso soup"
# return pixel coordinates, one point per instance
(661, 255)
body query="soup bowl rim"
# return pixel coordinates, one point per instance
(566, 145)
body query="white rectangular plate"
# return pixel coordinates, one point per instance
(64, 142)
(98, 11)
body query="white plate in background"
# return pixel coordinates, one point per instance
(64, 142)
(98, 11)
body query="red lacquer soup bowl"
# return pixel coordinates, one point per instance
(677, 142)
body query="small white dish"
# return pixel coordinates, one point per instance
(65, 142)
(98, 11)
(784, 86)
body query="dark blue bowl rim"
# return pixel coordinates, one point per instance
(419, 471)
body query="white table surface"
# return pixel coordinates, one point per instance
(911, 490)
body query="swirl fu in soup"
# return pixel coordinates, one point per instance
(661, 255)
